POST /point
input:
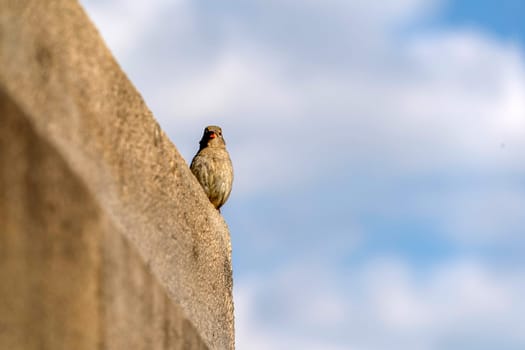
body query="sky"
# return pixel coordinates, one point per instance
(378, 149)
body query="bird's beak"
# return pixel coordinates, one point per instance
(212, 135)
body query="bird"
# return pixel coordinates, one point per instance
(212, 166)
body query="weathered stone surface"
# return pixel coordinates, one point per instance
(106, 239)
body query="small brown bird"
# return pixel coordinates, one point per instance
(212, 166)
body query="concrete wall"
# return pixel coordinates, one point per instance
(106, 239)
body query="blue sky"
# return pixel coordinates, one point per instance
(502, 18)
(378, 148)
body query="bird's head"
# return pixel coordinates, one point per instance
(212, 137)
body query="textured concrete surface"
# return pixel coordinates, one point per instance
(106, 239)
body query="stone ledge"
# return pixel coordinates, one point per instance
(152, 251)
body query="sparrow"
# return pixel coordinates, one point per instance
(212, 166)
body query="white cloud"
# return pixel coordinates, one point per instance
(493, 216)
(124, 25)
(427, 120)
(384, 304)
